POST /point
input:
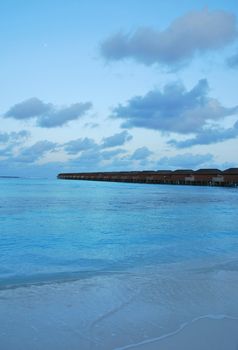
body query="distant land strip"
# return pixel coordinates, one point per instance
(9, 177)
(201, 177)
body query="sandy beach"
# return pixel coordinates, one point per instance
(165, 309)
(206, 333)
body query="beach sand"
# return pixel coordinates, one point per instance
(202, 334)
(171, 309)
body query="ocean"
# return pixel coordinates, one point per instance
(113, 265)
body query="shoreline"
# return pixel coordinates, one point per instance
(205, 332)
(170, 308)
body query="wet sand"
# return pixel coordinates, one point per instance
(169, 309)
(205, 333)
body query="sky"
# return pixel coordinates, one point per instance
(106, 85)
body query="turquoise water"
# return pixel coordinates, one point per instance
(58, 230)
(115, 266)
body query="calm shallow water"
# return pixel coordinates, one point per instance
(54, 230)
(117, 266)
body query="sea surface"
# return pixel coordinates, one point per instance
(164, 255)
(56, 229)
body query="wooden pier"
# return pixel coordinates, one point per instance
(201, 177)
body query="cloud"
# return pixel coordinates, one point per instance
(187, 160)
(89, 160)
(207, 137)
(192, 33)
(64, 115)
(6, 151)
(91, 125)
(46, 114)
(138, 160)
(108, 155)
(9, 141)
(14, 137)
(35, 152)
(86, 144)
(76, 146)
(31, 108)
(92, 159)
(116, 140)
(174, 109)
(233, 61)
(141, 153)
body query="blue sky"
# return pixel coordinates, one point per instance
(117, 85)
